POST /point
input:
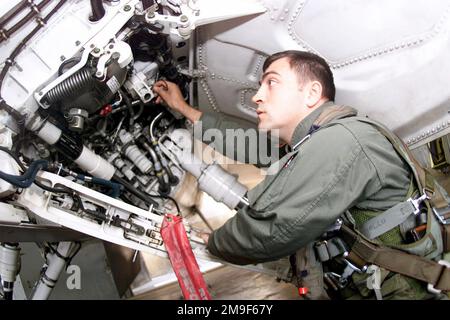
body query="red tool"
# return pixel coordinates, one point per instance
(183, 260)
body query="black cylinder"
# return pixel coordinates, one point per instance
(70, 146)
(98, 11)
(147, 3)
(70, 87)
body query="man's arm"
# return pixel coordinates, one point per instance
(224, 133)
(171, 95)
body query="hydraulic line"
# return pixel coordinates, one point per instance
(70, 86)
(13, 12)
(115, 187)
(57, 259)
(129, 106)
(98, 11)
(9, 267)
(164, 188)
(35, 10)
(11, 59)
(173, 180)
(147, 3)
(73, 60)
(25, 180)
(40, 185)
(134, 191)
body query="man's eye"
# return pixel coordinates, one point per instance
(271, 82)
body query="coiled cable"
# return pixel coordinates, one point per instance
(71, 86)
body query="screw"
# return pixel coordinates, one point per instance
(63, 58)
(184, 18)
(151, 15)
(77, 43)
(96, 50)
(127, 8)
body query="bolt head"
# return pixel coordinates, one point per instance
(96, 50)
(184, 18)
(127, 8)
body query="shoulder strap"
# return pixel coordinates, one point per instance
(425, 181)
(362, 252)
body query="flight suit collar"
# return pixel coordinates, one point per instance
(304, 127)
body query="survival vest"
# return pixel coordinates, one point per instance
(368, 243)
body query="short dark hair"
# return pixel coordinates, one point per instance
(308, 66)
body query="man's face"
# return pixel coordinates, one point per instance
(281, 99)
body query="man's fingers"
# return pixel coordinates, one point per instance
(205, 237)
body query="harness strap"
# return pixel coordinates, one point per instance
(423, 177)
(329, 249)
(397, 261)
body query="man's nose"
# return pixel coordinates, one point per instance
(257, 98)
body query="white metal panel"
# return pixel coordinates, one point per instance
(389, 58)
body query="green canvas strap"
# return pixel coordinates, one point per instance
(424, 178)
(414, 266)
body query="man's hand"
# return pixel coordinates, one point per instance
(170, 93)
(205, 237)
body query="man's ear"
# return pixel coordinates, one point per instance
(314, 93)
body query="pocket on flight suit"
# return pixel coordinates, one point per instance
(272, 190)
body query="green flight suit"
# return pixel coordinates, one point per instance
(342, 166)
(339, 167)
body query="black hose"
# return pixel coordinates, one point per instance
(169, 198)
(24, 20)
(13, 12)
(77, 82)
(173, 179)
(98, 11)
(163, 188)
(40, 185)
(25, 180)
(10, 61)
(73, 60)
(147, 3)
(8, 290)
(134, 191)
(129, 106)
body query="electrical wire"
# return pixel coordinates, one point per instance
(134, 191)
(11, 59)
(152, 124)
(169, 198)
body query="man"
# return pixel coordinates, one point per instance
(338, 167)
